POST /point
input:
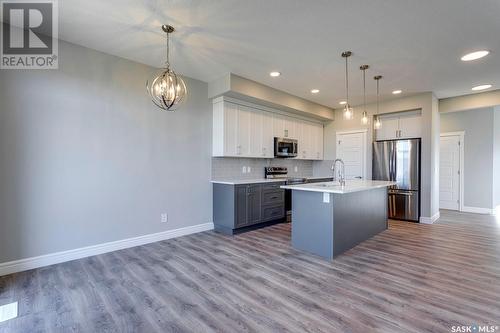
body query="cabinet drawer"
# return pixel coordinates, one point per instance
(273, 197)
(272, 187)
(273, 212)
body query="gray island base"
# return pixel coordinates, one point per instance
(328, 219)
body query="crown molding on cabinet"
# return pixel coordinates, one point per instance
(238, 87)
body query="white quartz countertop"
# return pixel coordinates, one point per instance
(334, 187)
(246, 181)
(256, 181)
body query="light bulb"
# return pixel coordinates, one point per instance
(377, 124)
(364, 119)
(348, 113)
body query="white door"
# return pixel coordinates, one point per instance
(351, 148)
(449, 172)
(388, 130)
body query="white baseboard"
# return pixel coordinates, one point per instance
(58, 257)
(478, 210)
(429, 220)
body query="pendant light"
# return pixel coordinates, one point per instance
(348, 112)
(364, 117)
(167, 89)
(377, 123)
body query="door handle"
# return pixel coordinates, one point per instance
(358, 177)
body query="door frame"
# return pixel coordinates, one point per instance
(460, 134)
(363, 131)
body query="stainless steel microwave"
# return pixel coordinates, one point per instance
(284, 147)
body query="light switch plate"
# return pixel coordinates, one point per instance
(326, 197)
(244, 169)
(8, 311)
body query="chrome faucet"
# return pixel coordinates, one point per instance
(341, 172)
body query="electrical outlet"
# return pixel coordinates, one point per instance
(249, 169)
(244, 169)
(296, 168)
(164, 217)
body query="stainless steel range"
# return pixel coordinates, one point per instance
(282, 173)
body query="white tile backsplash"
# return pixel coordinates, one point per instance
(232, 168)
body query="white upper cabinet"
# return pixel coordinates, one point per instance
(284, 127)
(267, 135)
(279, 126)
(318, 141)
(245, 131)
(410, 127)
(404, 125)
(310, 140)
(255, 134)
(261, 134)
(388, 130)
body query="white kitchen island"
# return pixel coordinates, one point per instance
(329, 219)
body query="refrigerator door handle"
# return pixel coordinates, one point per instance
(393, 163)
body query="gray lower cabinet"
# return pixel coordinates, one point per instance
(248, 203)
(240, 207)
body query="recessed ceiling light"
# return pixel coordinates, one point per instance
(482, 87)
(314, 91)
(475, 55)
(275, 74)
(343, 103)
(396, 92)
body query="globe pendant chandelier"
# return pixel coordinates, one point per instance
(167, 89)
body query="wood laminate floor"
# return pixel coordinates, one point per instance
(410, 278)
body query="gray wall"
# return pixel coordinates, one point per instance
(496, 159)
(87, 159)
(478, 153)
(428, 104)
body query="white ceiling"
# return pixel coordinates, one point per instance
(415, 44)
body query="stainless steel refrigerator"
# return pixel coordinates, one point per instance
(399, 161)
